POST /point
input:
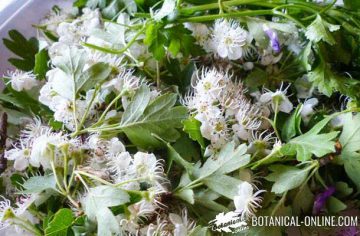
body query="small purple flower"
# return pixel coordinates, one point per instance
(348, 231)
(274, 40)
(321, 198)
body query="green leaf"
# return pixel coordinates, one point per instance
(292, 125)
(156, 40)
(60, 224)
(96, 207)
(319, 30)
(303, 200)
(97, 73)
(286, 177)
(352, 5)
(183, 40)
(323, 78)
(37, 184)
(343, 189)
(23, 48)
(311, 142)
(143, 119)
(179, 75)
(186, 195)
(192, 127)
(72, 61)
(328, 81)
(173, 155)
(350, 141)
(23, 102)
(200, 231)
(334, 205)
(305, 56)
(41, 64)
(223, 184)
(229, 159)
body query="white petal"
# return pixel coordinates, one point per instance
(286, 106)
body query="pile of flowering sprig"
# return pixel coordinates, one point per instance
(138, 119)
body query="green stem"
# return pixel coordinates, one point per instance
(97, 88)
(278, 205)
(320, 179)
(225, 15)
(103, 115)
(94, 177)
(64, 151)
(74, 104)
(129, 181)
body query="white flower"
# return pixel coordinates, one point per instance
(115, 146)
(44, 150)
(33, 129)
(22, 80)
(69, 33)
(210, 82)
(124, 81)
(308, 108)
(246, 201)
(230, 40)
(182, 224)
(91, 19)
(247, 118)
(201, 33)
(267, 58)
(146, 166)
(119, 166)
(277, 98)
(97, 56)
(259, 142)
(8, 226)
(304, 88)
(20, 155)
(142, 209)
(55, 17)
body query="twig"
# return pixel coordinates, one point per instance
(3, 136)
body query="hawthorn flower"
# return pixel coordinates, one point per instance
(201, 33)
(247, 120)
(22, 80)
(97, 56)
(268, 58)
(210, 83)
(182, 225)
(91, 19)
(20, 155)
(8, 214)
(230, 40)
(146, 166)
(278, 100)
(246, 201)
(124, 82)
(55, 17)
(141, 210)
(119, 165)
(43, 150)
(33, 129)
(308, 108)
(260, 141)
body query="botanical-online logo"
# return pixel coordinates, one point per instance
(230, 222)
